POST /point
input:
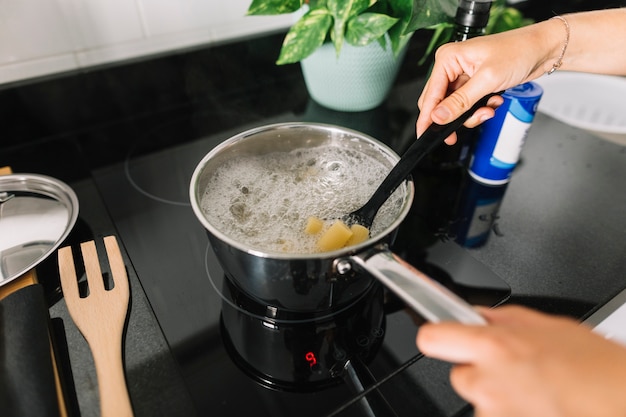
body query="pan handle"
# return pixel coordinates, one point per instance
(426, 296)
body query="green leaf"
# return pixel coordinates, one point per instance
(359, 6)
(317, 4)
(305, 36)
(427, 13)
(398, 38)
(342, 11)
(502, 19)
(402, 9)
(398, 35)
(272, 7)
(368, 27)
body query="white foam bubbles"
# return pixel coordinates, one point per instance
(264, 201)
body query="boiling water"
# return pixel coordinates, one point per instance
(264, 201)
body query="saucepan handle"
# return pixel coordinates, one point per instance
(426, 296)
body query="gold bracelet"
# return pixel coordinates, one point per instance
(559, 61)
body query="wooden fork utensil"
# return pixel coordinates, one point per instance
(100, 317)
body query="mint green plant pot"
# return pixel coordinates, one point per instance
(357, 79)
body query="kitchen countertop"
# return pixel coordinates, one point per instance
(561, 228)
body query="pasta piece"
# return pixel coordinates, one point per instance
(313, 225)
(359, 234)
(335, 237)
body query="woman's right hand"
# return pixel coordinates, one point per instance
(464, 72)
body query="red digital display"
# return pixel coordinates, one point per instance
(310, 358)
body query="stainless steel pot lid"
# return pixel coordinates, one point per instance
(37, 213)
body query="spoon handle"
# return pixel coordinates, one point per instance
(429, 140)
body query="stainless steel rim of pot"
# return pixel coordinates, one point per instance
(197, 188)
(37, 213)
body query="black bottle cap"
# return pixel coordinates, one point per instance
(472, 13)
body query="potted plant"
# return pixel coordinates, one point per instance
(350, 50)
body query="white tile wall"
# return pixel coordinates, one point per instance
(97, 23)
(171, 16)
(31, 29)
(43, 37)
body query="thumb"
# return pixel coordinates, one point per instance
(453, 106)
(462, 99)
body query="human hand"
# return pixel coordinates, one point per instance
(526, 363)
(464, 72)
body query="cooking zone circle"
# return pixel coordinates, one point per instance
(163, 175)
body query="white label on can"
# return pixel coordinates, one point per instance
(510, 142)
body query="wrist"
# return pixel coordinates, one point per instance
(559, 60)
(555, 32)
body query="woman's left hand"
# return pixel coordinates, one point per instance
(526, 363)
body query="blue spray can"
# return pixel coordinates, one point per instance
(502, 137)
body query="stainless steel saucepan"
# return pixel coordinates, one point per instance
(320, 282)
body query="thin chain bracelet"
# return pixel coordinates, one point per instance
(559, 61)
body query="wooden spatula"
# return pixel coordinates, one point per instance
(100, 317)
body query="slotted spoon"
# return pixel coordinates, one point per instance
(100, 317)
